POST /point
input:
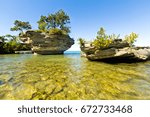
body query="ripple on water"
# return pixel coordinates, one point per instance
(71, 77)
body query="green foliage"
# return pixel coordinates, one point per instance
(20, 26)
(1, 48)
(11, 44)
(40, 31)
(81, 41)
(42, 23)
(113, 36)
(103, 40)
(2, 39)
(59, 20)
(102, 43)
(56, 31)
(101, 33)
(9, 37)
(131, 38)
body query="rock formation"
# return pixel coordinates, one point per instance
(43, 43)
(117, 51)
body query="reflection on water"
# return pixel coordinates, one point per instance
(71, 77)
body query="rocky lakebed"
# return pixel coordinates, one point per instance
(69, 76)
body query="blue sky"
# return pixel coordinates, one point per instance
(87, 16)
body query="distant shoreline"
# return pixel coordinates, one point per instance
(30, 52)
(72, 52)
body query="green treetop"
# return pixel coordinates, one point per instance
(21, 26)
(131, 38)
(104, 40)
(101, 33)
(42, 23)
(59, 20)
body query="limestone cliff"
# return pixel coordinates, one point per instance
(43, 43)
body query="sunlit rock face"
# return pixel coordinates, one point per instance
(117, 51)
(49, 44)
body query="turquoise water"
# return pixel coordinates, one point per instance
(70, 76)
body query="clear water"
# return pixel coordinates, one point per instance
(70, 76)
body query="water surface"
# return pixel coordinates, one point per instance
(70, 76)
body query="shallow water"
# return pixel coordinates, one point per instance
(70, 76)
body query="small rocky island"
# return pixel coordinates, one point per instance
(51, 37)
(44, 44)
(110, 49)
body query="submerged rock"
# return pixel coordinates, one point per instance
(43, 43)
(117, 51)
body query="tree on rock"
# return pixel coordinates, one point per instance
(42, 23)
(21, 26)
(62, 19)
(56, 21)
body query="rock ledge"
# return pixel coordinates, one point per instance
(44, 44)
(117, 51)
